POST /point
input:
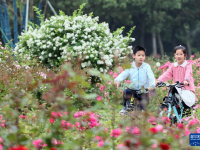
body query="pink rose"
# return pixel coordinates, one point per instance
(99, 98)
(116, 133)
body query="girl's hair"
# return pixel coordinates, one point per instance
(180, 47)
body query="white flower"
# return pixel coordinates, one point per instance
(50, 54)
(101, 69)
(158, 64)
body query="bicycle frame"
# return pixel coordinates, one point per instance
(171, 105)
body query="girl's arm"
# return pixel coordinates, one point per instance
(188, 72)
(167, 75)
(122, 76)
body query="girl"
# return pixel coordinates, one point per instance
(181, 71)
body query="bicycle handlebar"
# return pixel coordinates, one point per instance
(178, 84)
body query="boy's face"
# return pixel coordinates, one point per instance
(139, 56)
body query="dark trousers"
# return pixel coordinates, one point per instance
(142, 99)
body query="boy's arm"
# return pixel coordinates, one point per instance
(151, 77)
(122, 76)
(188, 72)
(167, 75)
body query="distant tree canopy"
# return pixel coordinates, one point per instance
(160, 25)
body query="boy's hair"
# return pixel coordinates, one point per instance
(138, 48)
(180, 47)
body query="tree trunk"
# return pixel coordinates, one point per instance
(7, 24)
(15, 23)
(154, 41)
(160, 44)
(45, 8)
(187, 41)
(142, 32)
(31, 11)
(39, 9)
(23, 17)
(2, 23)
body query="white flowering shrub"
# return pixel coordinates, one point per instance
(68, 38)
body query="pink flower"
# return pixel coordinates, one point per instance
(166, 120)
(101, 143)
(66, 125)
(55, 142)
(199, 93)
(51, 120)
(120, 146)
(106, 94)
(194, 121)
(56, 114)
(39, 144)
(198, 72)
(1, 140)
(128, 81)
(192, 56)
(111, 72)
(18, 66)
(120, 67)
(135, 131)
(120, 71)
(198, 129)
(180, 125)
(176, 136)
(159, 128)
(187, 132)
(152, 120)
(127, 129)
(23, 117)
(78, 114)
(155, 144)
(102, 87)
(65, 113)
(115, 75)
(98, 138)
(1, 147)
(195, 107)
(98, 97)
(116, 133)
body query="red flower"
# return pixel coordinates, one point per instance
(164, 146)
(53, 148)
(130, 143)
(153, 130)
(180, 125)
(20, 147)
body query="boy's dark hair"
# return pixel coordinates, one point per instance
(180, 47)
(138, 48)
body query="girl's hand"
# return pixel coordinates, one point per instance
(116, 84)
(186, 83)
(157, 82)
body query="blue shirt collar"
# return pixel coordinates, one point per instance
(134, 65)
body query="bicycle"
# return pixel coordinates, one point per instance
(135, 101)
(172, 102)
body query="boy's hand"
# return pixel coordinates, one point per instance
(186, 83)
(150, 89)
(116, 84)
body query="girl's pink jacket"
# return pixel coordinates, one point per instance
(179, 73)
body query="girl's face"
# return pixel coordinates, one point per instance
(179, 56)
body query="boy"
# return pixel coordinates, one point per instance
(141, 76)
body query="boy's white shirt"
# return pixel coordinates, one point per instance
(139, 77)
